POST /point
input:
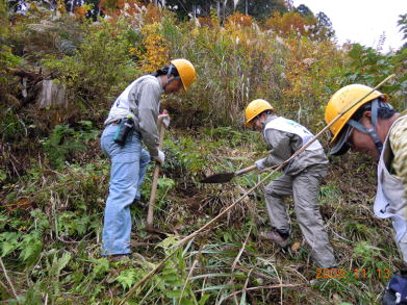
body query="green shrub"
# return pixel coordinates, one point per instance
(64, 141)
(99, 69)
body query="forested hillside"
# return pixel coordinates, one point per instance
(61, 67)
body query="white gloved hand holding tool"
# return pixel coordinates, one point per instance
(260, 164)
(164, 122)
(160, 158)
(164, 117)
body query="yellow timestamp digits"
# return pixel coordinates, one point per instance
(357, 273)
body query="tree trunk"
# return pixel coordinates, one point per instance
(50, 94)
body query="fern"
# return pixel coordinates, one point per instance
(127, 278)
(9, 242)
(31, 247)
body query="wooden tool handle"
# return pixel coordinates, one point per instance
(156, 174)
(245, 170)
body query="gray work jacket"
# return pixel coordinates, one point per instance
(282, 146)
(141, 99)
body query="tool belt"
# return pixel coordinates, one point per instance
(116, 122)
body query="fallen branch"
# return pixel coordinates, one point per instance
(241, 250)
(281, 286)
(8, 279)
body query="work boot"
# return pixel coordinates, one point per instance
(276, 238)
(119, 258)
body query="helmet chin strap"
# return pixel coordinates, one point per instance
(171, 67)
(372, 132)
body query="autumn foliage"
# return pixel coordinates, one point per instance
(240, 19)
(289, 24)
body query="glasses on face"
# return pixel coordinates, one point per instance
(254, 122)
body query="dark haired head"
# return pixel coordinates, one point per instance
(384, 110)
(166, 70)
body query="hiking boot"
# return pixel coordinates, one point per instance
(276, 238)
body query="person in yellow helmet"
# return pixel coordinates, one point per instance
(132, 121)
(371, 126)
(301, 179)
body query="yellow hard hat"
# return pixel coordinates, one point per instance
(255, 108)
(186, 71)
(342, 100)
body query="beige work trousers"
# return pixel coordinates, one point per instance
(304, 187)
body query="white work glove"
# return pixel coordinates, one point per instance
(260, 164)
(160, 158)
(165, 118)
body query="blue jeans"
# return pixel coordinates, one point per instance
(128, 167)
